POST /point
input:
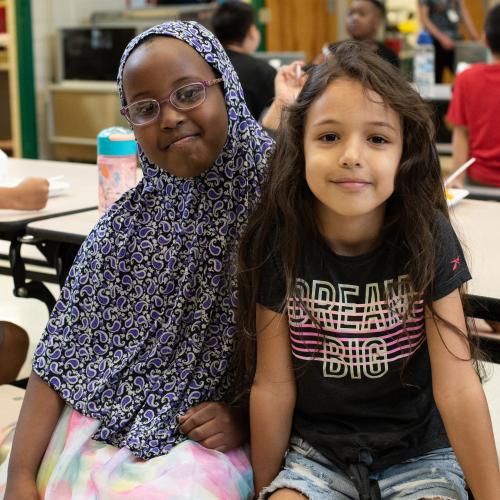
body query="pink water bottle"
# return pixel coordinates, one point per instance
(116, 164)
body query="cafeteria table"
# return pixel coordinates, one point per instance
(76, 185)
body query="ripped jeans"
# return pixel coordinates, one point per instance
(433, 475)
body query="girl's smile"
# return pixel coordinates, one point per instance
(181, 140)
(351, 183)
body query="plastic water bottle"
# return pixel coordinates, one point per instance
(424, 64)
(116, 164)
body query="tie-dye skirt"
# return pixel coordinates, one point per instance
(77, 467)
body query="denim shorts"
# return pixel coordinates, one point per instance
(433, 475)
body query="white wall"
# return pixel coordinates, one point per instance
(47, 17)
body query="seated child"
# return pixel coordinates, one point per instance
(30, 194)
(473, 112)
(363, 22)
(363, 382)
(131, 382)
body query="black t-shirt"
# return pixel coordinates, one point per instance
(257, 79)
(352, 393)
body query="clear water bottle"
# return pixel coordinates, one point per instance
(116, 164)
(423, 64)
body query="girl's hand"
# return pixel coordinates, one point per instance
(217, 426)
(289, 82)
(32, 194)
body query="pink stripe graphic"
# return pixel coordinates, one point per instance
(296, 342)
(339, 360)
(302, 331)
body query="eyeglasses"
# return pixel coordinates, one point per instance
(186, 97)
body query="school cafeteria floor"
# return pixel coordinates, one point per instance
(32, 315)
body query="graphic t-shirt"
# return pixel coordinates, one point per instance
(352, 394)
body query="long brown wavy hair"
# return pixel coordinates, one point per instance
(285, 217)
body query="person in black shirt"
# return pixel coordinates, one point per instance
(442, 19)
(364, 19)
(233, 23)
(351, 323)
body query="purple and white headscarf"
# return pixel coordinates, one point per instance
(144, 327)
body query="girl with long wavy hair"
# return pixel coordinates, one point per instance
(353, 334)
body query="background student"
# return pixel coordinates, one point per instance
(30, 194)
(349, 303)
(473, 113)
(234, 25)
(442, 19)
(363, 22)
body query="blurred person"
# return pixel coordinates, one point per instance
(441, 18)
(473, 113)
(363, 22)
(234, 25)
(30, 194)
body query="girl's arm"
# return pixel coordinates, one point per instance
(288, 83)
(39, 415)
(460, 146)
(471, 29)
(272, 397)
(445, 41)
(460, 399)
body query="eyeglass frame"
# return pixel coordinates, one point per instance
(206, 84)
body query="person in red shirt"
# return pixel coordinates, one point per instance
(473, 113)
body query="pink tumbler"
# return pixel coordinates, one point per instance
(116, 164)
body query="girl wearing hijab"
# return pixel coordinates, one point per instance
(131, 380)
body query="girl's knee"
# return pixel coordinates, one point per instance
(287, 494)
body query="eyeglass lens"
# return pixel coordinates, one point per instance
(186, 97)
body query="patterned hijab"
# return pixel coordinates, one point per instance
(144, 327)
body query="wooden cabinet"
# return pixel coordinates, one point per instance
(9, 93)
(78, 111)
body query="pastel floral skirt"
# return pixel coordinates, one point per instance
(77, 467)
